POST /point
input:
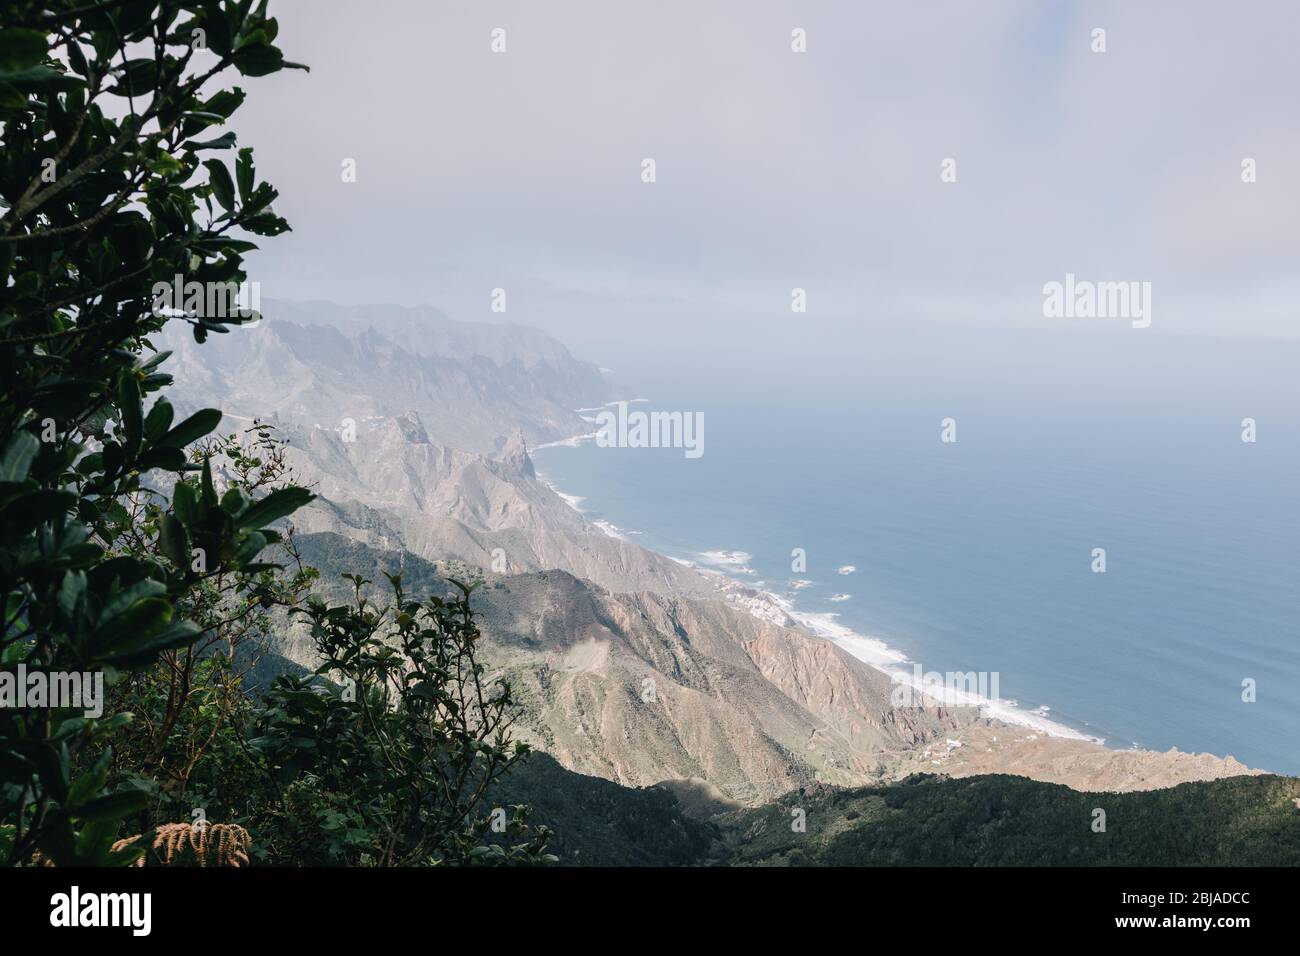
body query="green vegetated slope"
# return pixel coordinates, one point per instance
(600, 823)
(926, 820)
(1004, 820)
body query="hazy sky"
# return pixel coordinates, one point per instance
(776, 169)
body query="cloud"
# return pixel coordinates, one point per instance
(778, 169)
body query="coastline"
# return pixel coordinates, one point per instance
(770, 606)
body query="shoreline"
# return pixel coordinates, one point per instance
(775, 608)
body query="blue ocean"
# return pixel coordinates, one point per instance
(979, 554)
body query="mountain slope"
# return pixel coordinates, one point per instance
(393, 488)
(643, 687)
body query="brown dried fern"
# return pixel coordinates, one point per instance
(219, 844)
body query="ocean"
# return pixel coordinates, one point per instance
(979, 554)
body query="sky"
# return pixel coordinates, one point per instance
(777, 170)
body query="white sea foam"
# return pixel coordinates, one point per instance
(869, 650)
(876, 653)
(611, 529)
(737, 562)
(573, 501)
(726, 558)
(840, 597)
(1003, 709)
(573, 442)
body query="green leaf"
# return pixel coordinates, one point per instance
(21, 48)
(71, 593)
(133, 627)
(136, 77)
(184, 503)
(115, 806)
(201, 423)
(128, 397)
(245, 172)
(259, 60)
(158, 420)
(165, 459)
(52, 766)
(145, 649)
(207, 490)
(77, 59)
(225, 141)
(129, 596)
(89, 783)
(224, 102)
(234, 501)
(38, 508)
(18, 456)
(250, 548)
(278, 504)
(40, 79)
(174, 541)
(165, 164)
(222, 185)
(265, 224)
(214, 23)
(223, 245)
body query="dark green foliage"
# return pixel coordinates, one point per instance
(99, 181)
(392, 765)
(1012, 821)
(127, 206)
(599, 823)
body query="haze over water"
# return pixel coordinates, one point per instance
(977, 555)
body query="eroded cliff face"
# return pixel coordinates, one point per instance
(392, 488)
(646, 687)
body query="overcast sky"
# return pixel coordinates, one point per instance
(776, 169)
